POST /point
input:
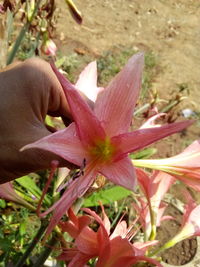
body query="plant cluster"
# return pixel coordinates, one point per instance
(107, 211)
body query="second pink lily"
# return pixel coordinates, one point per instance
(111, 250)
(100, 139)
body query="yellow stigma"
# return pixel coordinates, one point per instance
(103, 149)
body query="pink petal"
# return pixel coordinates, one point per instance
(193, 219)
(75, 224)
(114, 106)
(68, 254)
(76, 189)
(191, 225)
(106, 220)
(94, 215)
(120, 172)
(87, 242)
(102, 223)
(88, 126)
(64, 143)
(151, 122)
(189, 158)
(190, 181)
(102, 233)
(161, 184)
(79, 260)
(87, 82)
(138, 139)
(7, 192)
(144, 181)
(120, 248)
(132, 260)
(120, 230)
(141, 248)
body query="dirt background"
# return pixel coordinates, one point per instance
(171, 30)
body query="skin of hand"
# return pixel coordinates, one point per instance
(28, 92)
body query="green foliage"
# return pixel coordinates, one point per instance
(111, 63)
(27, 48)
(31, 187)
(69, 64)
(17, 230)
(144, 154)
(106, 196)
(2, 203)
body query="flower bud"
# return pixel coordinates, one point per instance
(49, 47)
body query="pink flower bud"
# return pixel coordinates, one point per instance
(49, 48)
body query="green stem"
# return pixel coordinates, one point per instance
(153, 223)
(118, 214)
(167, 245)
(45, 254)
(21, 35)
(29, 206)
(34, 242)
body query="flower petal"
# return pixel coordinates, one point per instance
(114, 106)
(190, 181)
(102, 233)
(75, 224)
(151, 122)
(64, 143)
(8, 192)
(120, 172)
(190, 157)
(140, 248)
(120, 248)
(132, 260)
(87, 82)
(88, 126)
(120, 230)
(80, 260)
(138, 139)
(76, 189)
(87, 242)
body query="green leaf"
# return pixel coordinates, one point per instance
(22, 228)
(106, 196)
(32, 188)
(144, 154)
(59, 62)
(2, 203)
(5, 244)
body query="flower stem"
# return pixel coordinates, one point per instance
(45, 254)
(153, 223)
(34, 242)
(21, 35)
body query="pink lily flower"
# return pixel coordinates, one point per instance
(184, 166)
(100, 140)
(154, 188)
(7, 192)
(110, 249)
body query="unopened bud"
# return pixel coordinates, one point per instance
(49, 48)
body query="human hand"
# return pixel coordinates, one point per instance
(29, 91)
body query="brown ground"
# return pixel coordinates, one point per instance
(168, 28)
